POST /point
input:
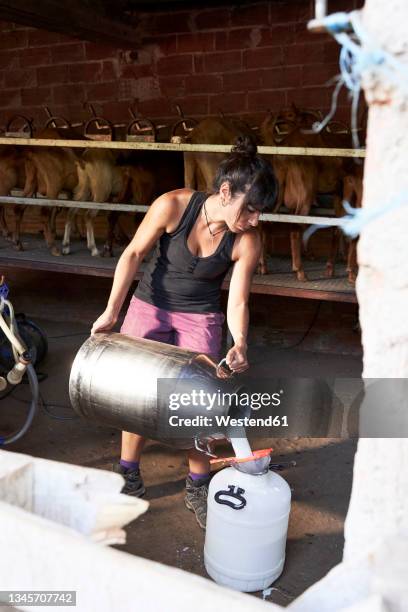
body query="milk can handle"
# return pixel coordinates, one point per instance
(225, 372)
(236, 493)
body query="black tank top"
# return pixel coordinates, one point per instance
(179, 281)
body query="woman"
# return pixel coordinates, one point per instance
(199, 237)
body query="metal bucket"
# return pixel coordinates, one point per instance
(114, 378)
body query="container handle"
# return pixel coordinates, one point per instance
(236, 493)
(223, 370)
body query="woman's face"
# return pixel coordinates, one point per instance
(240, 217)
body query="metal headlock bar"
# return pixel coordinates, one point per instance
(280, 218)
(167, 146)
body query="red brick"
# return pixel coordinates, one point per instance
(264, 100)
(311, 97)
(307, 53)
(64, 94)
(53, 75)
(253, 14)
(175, 64)
(21, 78)
(102, 91)
(193, 105)
(204, 84)
(161, 107)
(39, 56)
(171, 22)
(213, 19)
(96, 51)
(61, 54)
(109, 71)
(166, 44)
(126, 89)
(277, 35)
(198, 64)
(295, 11)
(241, 38)
(331, 52)
(303, 35)
(8, 59)
(40, 38)
(13, 40)
(221, 40)
(266, 57)
(136, 72)
(318, 74)
(228, 103)
(242, 81)
(195, 42)
(116, 111)
(222, 62)
(10, 98)
(173, 87)
(36, 95)
(341, 5)
(85, 72)
(279, 78)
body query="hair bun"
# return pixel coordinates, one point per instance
(244, 145)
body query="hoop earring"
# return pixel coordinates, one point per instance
(223, 202)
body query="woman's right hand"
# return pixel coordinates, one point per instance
(104, 323)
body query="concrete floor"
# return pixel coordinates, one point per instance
(65, 306)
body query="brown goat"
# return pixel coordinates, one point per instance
(352, 193)
(99, 179)
(141, 184)
(200, 168)
(302, 178)
(44, 170)
(297, 178)
(12, 175)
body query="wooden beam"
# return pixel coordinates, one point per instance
(72, 19)
(122, 207)
(168, 146)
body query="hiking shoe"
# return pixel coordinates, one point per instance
(196, 498)
(133, 480)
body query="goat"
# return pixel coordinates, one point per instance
(99, 178)
(200, 168)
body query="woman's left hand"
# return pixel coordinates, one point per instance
(237, 359)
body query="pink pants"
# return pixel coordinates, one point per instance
(201, 333)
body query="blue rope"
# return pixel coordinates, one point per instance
(355, 59)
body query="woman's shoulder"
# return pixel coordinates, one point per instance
(177, 196)
(247, 245)
(175, 202)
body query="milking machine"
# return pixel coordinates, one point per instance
(115, 381)
(22, 345)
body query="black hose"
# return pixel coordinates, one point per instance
(32, 377)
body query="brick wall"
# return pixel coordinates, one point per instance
(240, 59)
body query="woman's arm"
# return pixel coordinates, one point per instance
(154, 224)
(237, 309)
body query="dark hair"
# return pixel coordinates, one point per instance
(246, 172)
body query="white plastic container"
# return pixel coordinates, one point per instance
(247, 523)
